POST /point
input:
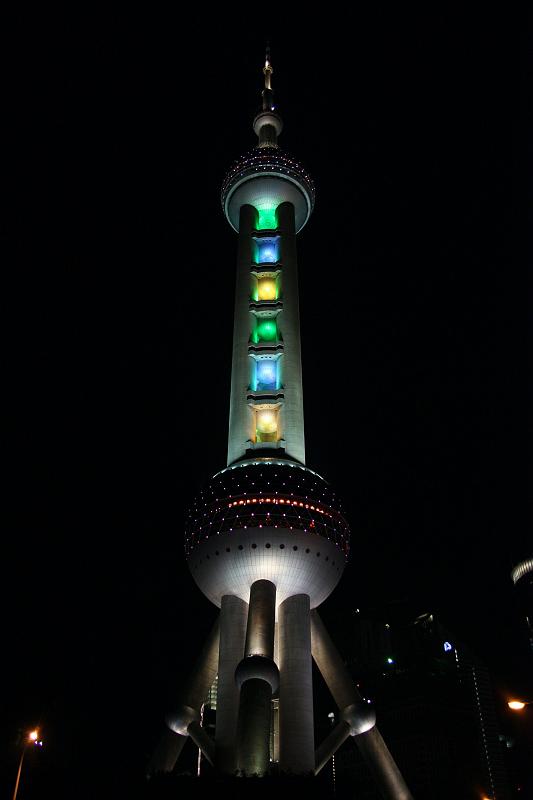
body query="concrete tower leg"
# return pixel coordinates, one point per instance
(274, 720)
(257, 678)
(171, 743)
(331, 665)
(382, 765)
(233, 615)
(188, 712)
(253, 732)
(331, 744)
(357, 718)
(297, 749)
(166, 753)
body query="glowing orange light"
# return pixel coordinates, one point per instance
(516, 705)
(33, 736)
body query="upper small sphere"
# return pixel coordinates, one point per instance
(264, 178)
(268, 117)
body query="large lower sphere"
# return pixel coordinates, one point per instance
(267, 520)
(296, 562)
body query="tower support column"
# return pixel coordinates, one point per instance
(239, 413)
(257, 678)
(233, 615)
(297, 750)
(382, 765)
(293, 409)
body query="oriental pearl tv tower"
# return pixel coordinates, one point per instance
(266, 541)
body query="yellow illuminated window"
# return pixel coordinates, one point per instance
(267, 426)
(266, 289)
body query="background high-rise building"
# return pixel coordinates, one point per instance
(435, 702)
(522, 577)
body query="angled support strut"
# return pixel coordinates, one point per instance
(184, 721)
(358, 719)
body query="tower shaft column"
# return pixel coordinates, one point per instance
(253, 732)
(257, 676)
(293, 410)
(233, 615)
(261, 620)
(239, 413)
(297, 753)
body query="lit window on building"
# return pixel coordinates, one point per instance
(267, 219)
(266, 250)
(266, 425)
(266, 375)
(266, 330)
(267, 289)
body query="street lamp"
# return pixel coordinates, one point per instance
(31, 738)
(518, 705)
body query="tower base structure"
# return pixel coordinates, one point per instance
(243, 732)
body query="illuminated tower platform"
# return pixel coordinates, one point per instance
(267, 541)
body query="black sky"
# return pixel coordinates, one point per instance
(118, 304)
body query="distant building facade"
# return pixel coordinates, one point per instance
(436, 704)
(522, 577)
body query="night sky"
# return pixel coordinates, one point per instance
(117, 305)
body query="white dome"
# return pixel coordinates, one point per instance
(297, 562)
(264, 192)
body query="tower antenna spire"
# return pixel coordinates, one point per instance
(267, 69)
(267, 123)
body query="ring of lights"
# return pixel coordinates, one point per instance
(271, 494)
(266, 175)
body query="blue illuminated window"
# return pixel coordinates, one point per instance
(266, 250)
(266, 375)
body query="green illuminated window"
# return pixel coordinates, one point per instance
(266, 330)
(267, 219)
